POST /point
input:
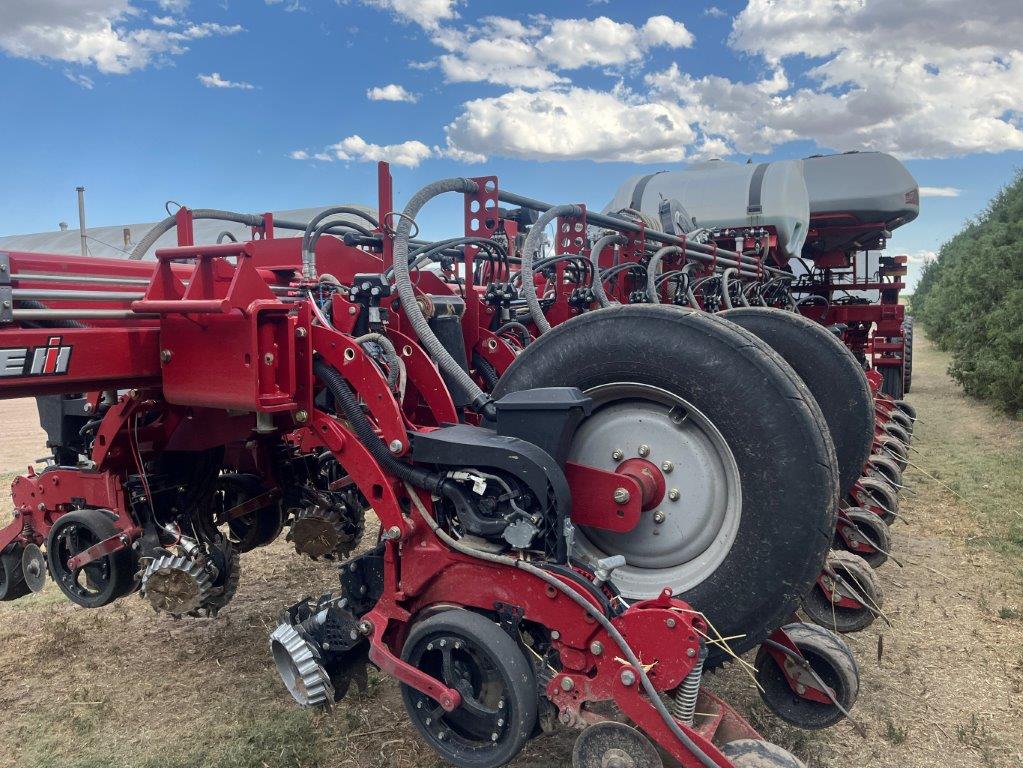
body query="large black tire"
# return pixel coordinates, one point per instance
(891, 381)
(907, 378)
(763, 412)
(830, 372)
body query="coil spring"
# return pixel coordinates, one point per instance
(683, 706)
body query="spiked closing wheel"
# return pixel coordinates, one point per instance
(328, 532)
(299, 664)
(176, 584)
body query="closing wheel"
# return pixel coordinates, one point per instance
(614, 745)
(12, 578)
(885, 468)
(906, 408)
(745, 466)
(853, 598)
(897, 431)
(831, 661)
(104, 579)
(474, 656)
(902, 419)
(753, 753)
(878, 497)
(865, 534)
(895, 448)
(831, 373)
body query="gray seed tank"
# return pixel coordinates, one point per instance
(723, 195)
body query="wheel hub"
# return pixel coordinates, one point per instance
(690, 484)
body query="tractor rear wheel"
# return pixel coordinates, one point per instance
(831, 373)
(745, 527)
(892, 381)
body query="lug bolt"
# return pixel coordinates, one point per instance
(622, 496)
(673, 494)
(628, 677)
(659, 517)
(667, 466)
(644, 451)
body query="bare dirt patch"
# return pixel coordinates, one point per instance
(123, 687)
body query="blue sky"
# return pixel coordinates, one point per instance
(254, 105)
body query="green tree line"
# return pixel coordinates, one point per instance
(970, 300)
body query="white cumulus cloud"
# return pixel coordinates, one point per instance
(391, 92)
(214, 80)
(408, 153)
(509, 52)
(572, 124)
(105, 34)
(428, 14)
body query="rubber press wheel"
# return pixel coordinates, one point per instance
(97, 583)
(747, 451)
(831, 373)
(12, 577)
(474, 656)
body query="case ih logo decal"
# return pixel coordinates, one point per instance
(51, 360)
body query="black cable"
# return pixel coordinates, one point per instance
(345, 398)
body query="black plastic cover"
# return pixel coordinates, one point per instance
(546, 417)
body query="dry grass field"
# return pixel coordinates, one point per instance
(942, 686)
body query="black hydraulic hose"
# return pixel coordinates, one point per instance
(45, 323)
(486, 370)
(345, 398)
(251, 220)
(308, 257)
(334, 228)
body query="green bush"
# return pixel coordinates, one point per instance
(970, 300)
